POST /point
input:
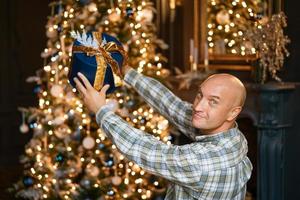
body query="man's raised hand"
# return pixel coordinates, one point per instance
(93, 99)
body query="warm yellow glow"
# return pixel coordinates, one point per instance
(148, 193)
(126, 181)
(45, 188)
(47, 68)
(138, 181)
(68, 181)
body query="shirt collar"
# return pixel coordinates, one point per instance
(217, 136)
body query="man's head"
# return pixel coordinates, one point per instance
(219, 101)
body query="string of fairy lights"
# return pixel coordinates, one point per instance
(226, 25)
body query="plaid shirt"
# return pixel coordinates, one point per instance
(212, 167)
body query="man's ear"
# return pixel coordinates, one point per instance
(234, 113)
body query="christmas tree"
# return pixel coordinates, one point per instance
(69, 157)
(227, 22)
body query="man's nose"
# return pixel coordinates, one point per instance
(200, 105)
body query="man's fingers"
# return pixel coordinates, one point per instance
(85, 81)
(104, 89)
(79, 86)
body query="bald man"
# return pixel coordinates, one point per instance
(214, 166)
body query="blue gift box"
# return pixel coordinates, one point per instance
(101, 63)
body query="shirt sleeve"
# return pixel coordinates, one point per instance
(178, 112)
(179, 164)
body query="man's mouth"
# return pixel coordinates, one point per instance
(198, 116)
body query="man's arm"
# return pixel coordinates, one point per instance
(178, 112)
(179, 164)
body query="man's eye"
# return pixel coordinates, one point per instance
(213, 102)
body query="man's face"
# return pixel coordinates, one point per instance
(212, 105)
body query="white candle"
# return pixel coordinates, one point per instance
(191, 50)
(205, 54)
(196, 55)
(195, 63)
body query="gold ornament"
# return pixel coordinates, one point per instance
(114, 17)
(92, 7)
(62, 131)
(24, 128)
(51, 33)
(56, 90)
(88, 142)
(92, 170)
(147, 14)
(116, 180)
(223, 17)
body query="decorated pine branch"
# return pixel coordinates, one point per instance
(270, 42)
